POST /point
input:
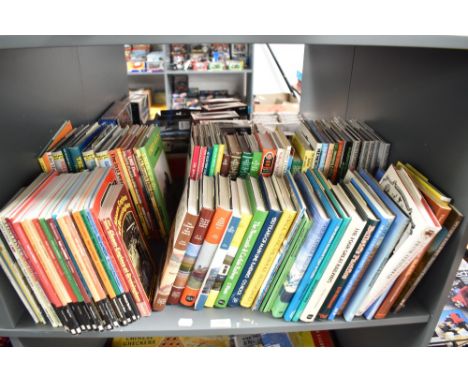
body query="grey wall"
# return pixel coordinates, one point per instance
(39, 89)
(417, 99)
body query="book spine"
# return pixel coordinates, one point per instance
(355, 154)
(228, 260)
(245, 164)
(68, 159)
(234, 165)
(213, 237)
(206, 164)
(267, 162)
(317, 156)
(115, 155)
(346, 160)
(89, 159)
(338, 161)
(216, 263)
(346, 271)
(173, 266)
(278, 168)
(242, 255)
(256, 164)
(268, 258)
(201, 162)
(325, 281)
(219, 161)
(77, 160)
(59, 161)
(213, 160)
(426, 264)
(225, 164)
(42, 164)
(256, 253)
(361, 266)
(279, 275)
(190, 256)
(194, 162)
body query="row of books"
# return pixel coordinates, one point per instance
(72, 248)
(301, 248)
(134, 152)
(332, 147)
(295, 339)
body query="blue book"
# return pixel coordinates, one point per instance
(334, 244)
(320, 222)
(276, 339)
(369, 188)
(315, 198)
(206, 168)
(366, 256)
(272, 219)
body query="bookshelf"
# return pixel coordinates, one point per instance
(412, 90)
(236, 81)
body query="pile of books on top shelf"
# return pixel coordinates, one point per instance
(343, 234)
(322, 338)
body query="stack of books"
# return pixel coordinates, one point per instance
(265, 149)
(302, 248)
(73, 249)
(135, 153)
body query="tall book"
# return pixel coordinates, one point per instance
(276, 241)
(274, 214)
(244, 223)
(424, 227)
(185, 222)
(215, 233)
(207, 205)
(259, 215)
(320, 226)
(222, 250)
(268, 153)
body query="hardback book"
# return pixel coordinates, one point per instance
(218, 225)
(282, 155)
(206, 208)
(244, 223)
(317, 178)
(246, 157)
(185, 222)
(425, 226)
(226, 158)
(273, 249)
(235, 152)
(289, 297)
(256, 155)
(259, 215)
(291, 247)
(304, 150)
(340, 146)
(387, 214)
(153, 164)
(275, 212)
(268, 153)
(343, 251)
(364, 254)
(222, 250)
(314, 142)
(451, 223)
(331, 151)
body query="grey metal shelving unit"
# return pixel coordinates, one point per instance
(411, 89)
(236, 81)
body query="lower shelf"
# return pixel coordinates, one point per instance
(180, 321)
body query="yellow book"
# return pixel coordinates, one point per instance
(305, 153)
(276, 241)
(42, 164)
(219, 160)
(235, 243)
(301, 339)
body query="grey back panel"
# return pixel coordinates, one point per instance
(39, 89)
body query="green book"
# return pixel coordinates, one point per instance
(296, 165)
(260, 213)
(334, 244)
(157, 169)
(256, 161)
(286, 265)
(246, 158)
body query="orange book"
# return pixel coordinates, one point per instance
(267, 147)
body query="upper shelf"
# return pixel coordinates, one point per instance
(449, 42)
(202, 72)
(180, 321)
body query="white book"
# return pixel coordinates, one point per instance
(420, 232)
(343, 251)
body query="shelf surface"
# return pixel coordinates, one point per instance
(145, 73)
(428, 41)
(203, 72)
(181, 321)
